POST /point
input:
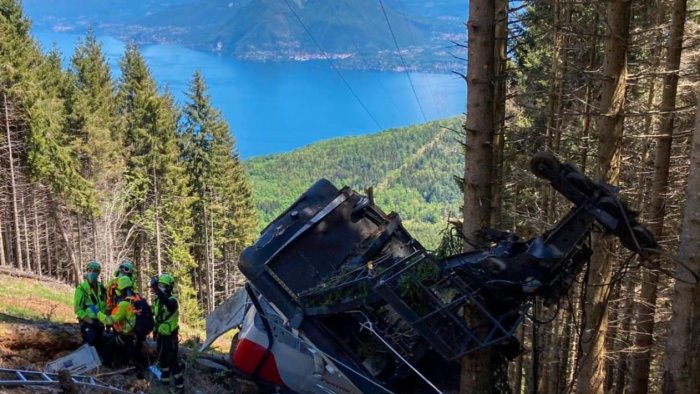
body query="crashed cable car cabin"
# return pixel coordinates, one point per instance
(343, 299)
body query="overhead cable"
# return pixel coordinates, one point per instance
(332, 65)
(403, 62)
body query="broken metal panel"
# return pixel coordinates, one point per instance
(81, 361)
(225, 317)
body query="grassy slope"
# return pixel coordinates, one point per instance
(410, 168)
(35, 300)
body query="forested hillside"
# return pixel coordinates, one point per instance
(410, 169)
(97, 168)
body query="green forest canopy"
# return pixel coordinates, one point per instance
(411, 170)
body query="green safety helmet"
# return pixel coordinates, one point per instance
(166, 279)
(124, 282)
(126, 267)
(93, 265)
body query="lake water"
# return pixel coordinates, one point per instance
(278, 107)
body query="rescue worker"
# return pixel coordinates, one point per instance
(166, 312)
(126, 268)
(89, 300)
(120, 348)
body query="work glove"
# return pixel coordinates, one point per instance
(93, 309)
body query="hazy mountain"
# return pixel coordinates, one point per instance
(69, 13)
(354, 33)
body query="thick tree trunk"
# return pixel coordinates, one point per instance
(609, 129)
(46, 336)
(682, 365)
(476, 374)
(499, 110)
(645, 309)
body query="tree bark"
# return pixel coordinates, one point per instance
(49, 337)
(476, 374)
(3, 261)
(645, 309)
(13, 184)
(589, 93)
(682, 366)
(499, 109)
(25, 227)
(609, 130)
(159, 243)
(37, 246)
(69, 245)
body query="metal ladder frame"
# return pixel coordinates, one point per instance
(38, 378)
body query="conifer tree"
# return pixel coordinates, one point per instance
(155, 177)
(33, 86)
(93, 124)
(223, 213)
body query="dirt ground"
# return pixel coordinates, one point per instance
(198, 379)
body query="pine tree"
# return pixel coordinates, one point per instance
(156, 178)
(223, 213)
(93, 125)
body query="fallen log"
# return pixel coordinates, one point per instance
(9, 271)
(49, 337)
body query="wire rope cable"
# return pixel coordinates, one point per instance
(340, 75)
(403, 62)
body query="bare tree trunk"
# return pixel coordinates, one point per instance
(518, 375)
(682, 366)
(51, 271)
(609, 128)
(37, 246)
(77, 267)
(80, 241)
(25, 228)
(227, 271)
(159, 243)
(13, 185)
(476, 374)
(3, 261)
(589, 93)
(212, 259)
(499, 109)
(208, 263)
(644, 310)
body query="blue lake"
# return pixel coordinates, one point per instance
(278, 107)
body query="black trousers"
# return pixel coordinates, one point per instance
(167, 358)
(119, 350)
(93, 334)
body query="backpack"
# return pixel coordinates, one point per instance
(144, 316)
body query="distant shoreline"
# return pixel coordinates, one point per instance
(347, 61)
